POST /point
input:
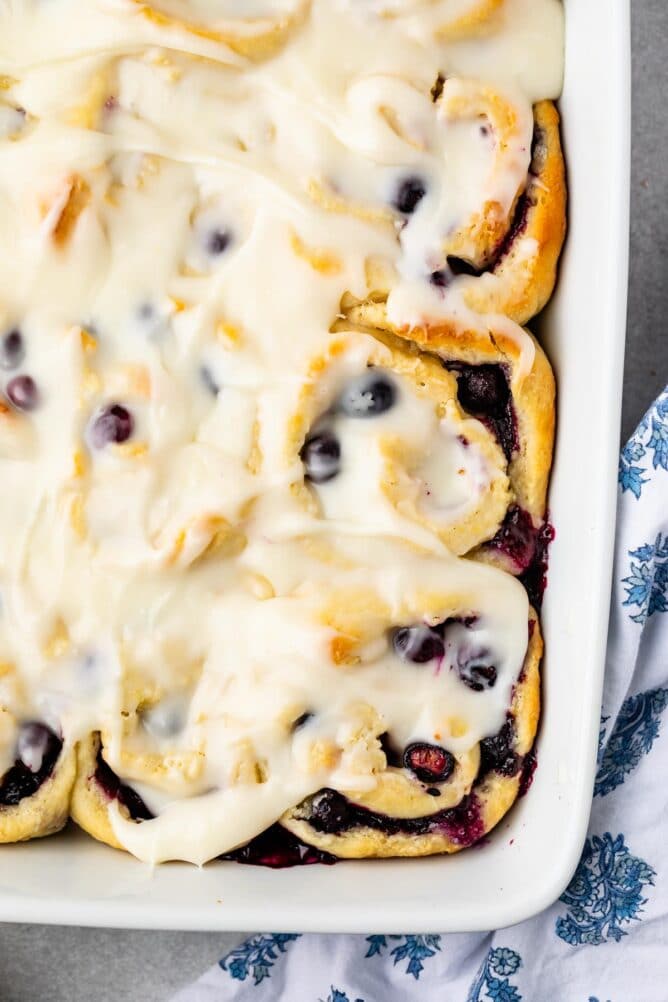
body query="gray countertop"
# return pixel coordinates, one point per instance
(77, 965)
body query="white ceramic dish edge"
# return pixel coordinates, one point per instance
(531, 857)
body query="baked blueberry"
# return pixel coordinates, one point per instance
(477, 673)
(441, 278)
(23, 393)
(516, 537)
(430, 763)
(497, 753)
(321, 456)
(417, 644)
(209, 380)
(217, 241)
(368, 396)
(12, 350)
(409, 194)
(114, 424)
(482, 389)
(330, 812)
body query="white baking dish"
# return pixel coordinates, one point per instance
(529, 860)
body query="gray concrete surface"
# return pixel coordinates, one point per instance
(81, 965)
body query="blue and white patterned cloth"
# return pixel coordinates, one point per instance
(606, 939)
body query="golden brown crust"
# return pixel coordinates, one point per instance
(491, 797)
(524, 283)
(44, 813)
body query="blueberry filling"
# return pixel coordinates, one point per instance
(321, 456)
(12, 350)
(534, 577)
(113, 425)
(330, 813)
(430, 763)
(529, 767)
(23, 393)
(368, 396)
(516, 538)
(410, 193)
(497, 753)
(277, 848)
(107, 779)
(417, 644)
(217, 242)
(483, 391)
(37, 752)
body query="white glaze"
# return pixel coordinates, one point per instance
(100, 569)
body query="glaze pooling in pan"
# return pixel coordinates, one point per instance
(275, 446)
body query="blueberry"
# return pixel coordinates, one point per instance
(497, 753)
(23, 393)
(12, 350)
(209, 380)
(370, 395)
(330, 812)
(441, 279)
(167, 718)
(217, 242)
(484, 392)
(113, 424)
(482, 389)
(430, 763)
(517, 537)
(477, 675)
(417, 644)
(321, 456)
(409, 194)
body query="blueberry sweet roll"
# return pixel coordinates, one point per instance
(453, 757)
(492, 253)
(456, 440)
(385, 444)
